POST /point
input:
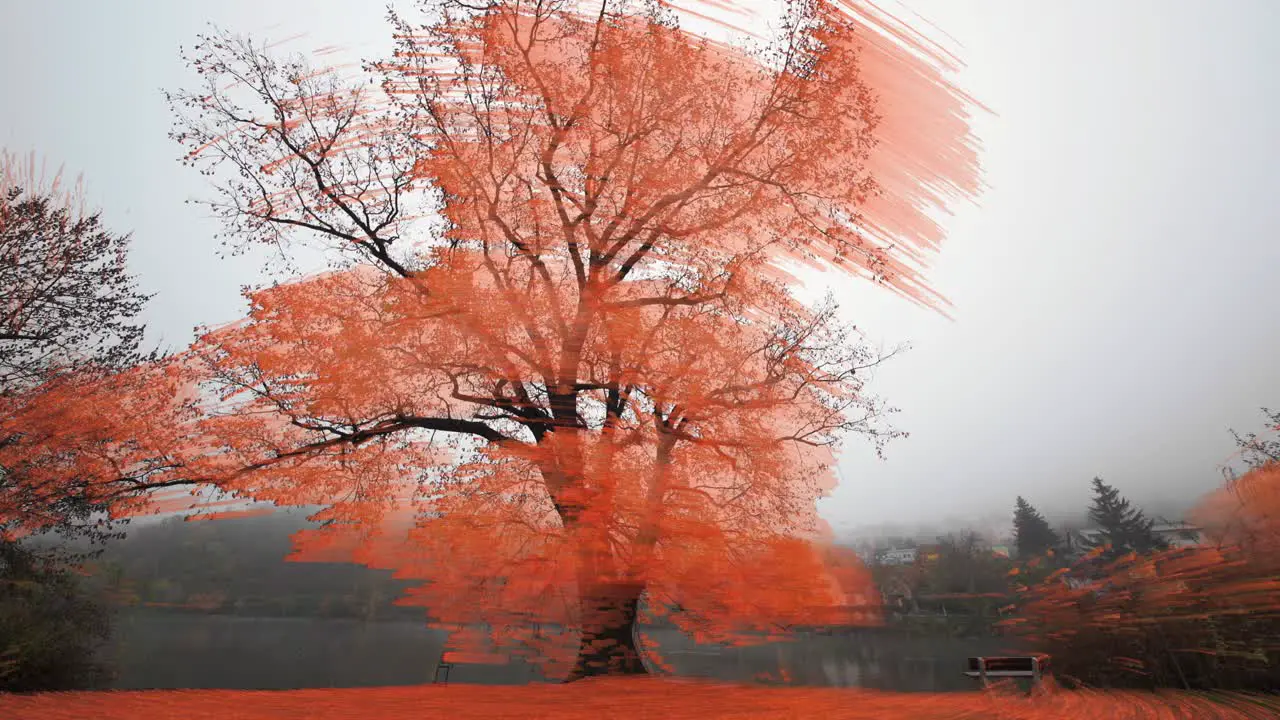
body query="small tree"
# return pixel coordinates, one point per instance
(967, 566)
(1257, 451)
(1124, 528)
(1244, 509)
(1032, 533)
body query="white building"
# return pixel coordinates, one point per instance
(1175, 534)
(898, 556)
(1179, 534)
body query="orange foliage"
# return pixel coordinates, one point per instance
(593, 381)
(616, 696)
(1245, 511)
(1217, 604)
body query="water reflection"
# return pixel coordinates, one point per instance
(877, 658)
(156, 649)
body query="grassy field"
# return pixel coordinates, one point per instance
(626, 698)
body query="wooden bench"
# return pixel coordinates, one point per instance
(1033, 667)
(446, 667)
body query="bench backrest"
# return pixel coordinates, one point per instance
(1032, 666)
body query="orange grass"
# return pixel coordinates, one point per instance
(623, 698)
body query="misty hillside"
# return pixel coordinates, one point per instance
(237, 566)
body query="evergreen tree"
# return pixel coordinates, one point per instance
(1032, 533)
(1124, 528)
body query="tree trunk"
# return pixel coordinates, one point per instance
(608, 646)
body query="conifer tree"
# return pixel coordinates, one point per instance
(1124, 528)
(1032, 533)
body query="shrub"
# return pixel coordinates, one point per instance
(50, 626)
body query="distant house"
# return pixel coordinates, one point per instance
(898, 556)
(1179, 534)
(929, 553)
(1079, 541)
(1175, 534)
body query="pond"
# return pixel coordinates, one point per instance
(166, 649)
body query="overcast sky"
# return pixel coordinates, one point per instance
(1113, 308)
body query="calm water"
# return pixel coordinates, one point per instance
(158, 649)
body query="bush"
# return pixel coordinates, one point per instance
(1204, 618)
(50, 626)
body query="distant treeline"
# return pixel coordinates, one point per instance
(238, 566)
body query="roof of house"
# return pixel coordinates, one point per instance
(1156, 527)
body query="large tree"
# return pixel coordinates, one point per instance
(1032, 534)
(591, 382)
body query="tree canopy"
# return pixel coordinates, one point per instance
(559, 365)
(68, 307)
(66, 295)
